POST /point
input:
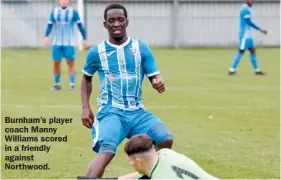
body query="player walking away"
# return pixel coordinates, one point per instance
(63, 46)
(121, 62)
(164, 164)
(245, 39)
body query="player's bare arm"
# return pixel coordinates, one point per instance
(157, 83)
(86, 90)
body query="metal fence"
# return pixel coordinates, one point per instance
(177, 23)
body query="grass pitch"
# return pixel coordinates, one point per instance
(228, 125)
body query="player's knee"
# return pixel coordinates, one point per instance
(70, 63)
(252, 50)
(160, 133)
(105, 148)
(165, 144)
(241, 51)
(57, 63)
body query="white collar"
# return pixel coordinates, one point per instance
(121, 45)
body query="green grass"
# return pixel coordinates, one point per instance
(241, 140)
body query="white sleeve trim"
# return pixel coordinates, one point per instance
(78, 21)
(50, 22)
(87, 73)
(153, 74)
(247, 16)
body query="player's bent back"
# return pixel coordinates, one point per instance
(163, 164)
(172, 165)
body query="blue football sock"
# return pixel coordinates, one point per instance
(236, 60)
(72, 79)
(254, 61)
(57, 78)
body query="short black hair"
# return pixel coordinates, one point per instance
(138, 144)
(114, 6)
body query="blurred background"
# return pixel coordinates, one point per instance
(160, 23)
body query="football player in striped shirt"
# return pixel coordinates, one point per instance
(63, 18)
(122, 63)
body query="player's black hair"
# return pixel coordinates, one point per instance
(138, 144)
(114, 6)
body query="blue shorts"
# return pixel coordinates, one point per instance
(60, 52)
(113, 125)
(246, 43)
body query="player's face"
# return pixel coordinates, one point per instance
(136, 163)
(250, 2)
(116, 23)
(64, 3)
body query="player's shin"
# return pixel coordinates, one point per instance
(254, 61)
(98, 165)
(236, 61)
(57, 85)
(57, 79)
(72, 78)
(57, 72)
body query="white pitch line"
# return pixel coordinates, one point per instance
(68, 106)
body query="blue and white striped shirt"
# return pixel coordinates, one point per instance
(64, 20)
(121, 71)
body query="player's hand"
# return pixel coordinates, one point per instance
(46, 41)
(87, 117)
(85, 44)
(158, 84)
(264, 31)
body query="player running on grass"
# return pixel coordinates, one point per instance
(121, 63)
(164, 164)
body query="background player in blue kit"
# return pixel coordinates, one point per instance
(63, 46)
(121, 62)
(245, 39)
